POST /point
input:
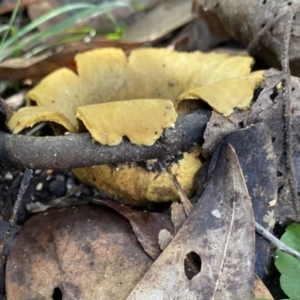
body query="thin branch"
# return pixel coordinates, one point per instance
(286, 43)
(13, 220)
(79, 150)
(276, 242)
(187, 205)
(287, 104)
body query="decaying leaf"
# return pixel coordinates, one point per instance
(217, 128)
(260, 290)
(8, 6)
(146, 225)
(94, 256)
(217, 238)
(269, 110)
(160, 21)
(37, 67)
(178, 215)
(107, 75)
(5, 114)
(98, 20)
(258, 25)
(254, 148)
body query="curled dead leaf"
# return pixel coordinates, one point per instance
(258, 25)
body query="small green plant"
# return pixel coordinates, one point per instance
(288, 266)
(119, 29)
(13, 40)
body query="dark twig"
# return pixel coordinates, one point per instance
(79, 150)
(276, 242)
(287, 105)
(12, 222)
(187, 205)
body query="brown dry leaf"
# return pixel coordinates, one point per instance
(146, 225)
(218, 237)
(37, 67)
(217, 128)
(255, 151)
(99, 21)
(88, 252)
(9, 5)
(258, 25)
(158, 22)
(260, 290)
(178, 215)
(272, 114)
(5, 114)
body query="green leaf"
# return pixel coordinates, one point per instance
(139, 7)
(11, 21)
(45, 18)
(288, 266)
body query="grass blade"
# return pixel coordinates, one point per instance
(58, 28)
(11, 21)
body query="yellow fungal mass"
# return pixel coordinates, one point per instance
(113, 95)
(29, 116)
(225, 95)
(136, 185)
(142, 121)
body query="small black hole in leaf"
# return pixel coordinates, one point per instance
(273, 139)
(274, 94)
(192, 265)
(279, 189)
(289, 3)
(57, 294)
(263, 25)
(264, 2)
